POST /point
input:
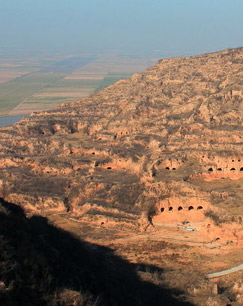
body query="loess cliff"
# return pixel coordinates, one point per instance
(155, 135)
(160, 152)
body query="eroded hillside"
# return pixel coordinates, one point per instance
(160, 152)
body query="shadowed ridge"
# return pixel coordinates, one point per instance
(44, 265)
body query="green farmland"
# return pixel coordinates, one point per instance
(110, 79)
(21, 89)
(41, 84)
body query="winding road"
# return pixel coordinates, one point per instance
(225, 272)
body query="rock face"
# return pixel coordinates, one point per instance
(144, 144)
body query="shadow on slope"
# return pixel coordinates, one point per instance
(44, 265)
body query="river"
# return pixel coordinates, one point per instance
(9, 120)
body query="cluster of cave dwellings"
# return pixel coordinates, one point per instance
(168, 168)
(119, 134)
(211, 169)
(179, 208)
(231, 165)
(173, 164)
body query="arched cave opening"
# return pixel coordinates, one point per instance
(153, 172)
(210, 170)
(162, 209)
(109, 168)
(232, 169)
(93, 153)
(199, 207)
(190, 207)
(170, 208)
(173, 169)
(167, 168)
(180, 208)
(219, 169)
(241, 169)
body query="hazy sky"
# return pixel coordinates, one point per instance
(162, 27)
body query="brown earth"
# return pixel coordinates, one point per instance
(151, 167)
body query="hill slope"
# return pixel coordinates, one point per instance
(178, 119)
(41, 264)
(151, 167)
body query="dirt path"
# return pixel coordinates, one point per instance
(225, 272)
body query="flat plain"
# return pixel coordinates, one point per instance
(36, 84)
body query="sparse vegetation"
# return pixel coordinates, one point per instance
(44, 265)
(216, 218)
